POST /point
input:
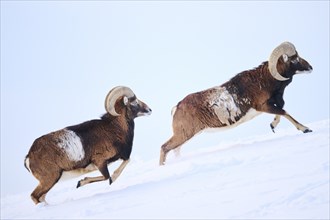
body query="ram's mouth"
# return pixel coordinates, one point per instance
(304, 71)
(145, 113)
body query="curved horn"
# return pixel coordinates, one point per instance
(284, 48)
(113, 95)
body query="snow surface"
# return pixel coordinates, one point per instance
(276, 176)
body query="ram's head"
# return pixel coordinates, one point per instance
(291, 61)
(122, 97)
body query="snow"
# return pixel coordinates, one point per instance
(275, 176)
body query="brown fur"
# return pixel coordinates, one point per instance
(252, 89)
(104, 140)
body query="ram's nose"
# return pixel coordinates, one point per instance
(145, 112)
(148, 111)
(310, 69)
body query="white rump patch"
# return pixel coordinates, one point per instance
(27, 163)
(173, 110)
(71, 144)
(223, 105)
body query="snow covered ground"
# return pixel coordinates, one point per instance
(277, 176)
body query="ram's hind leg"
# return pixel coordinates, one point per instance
(172, 144)
(39, 194)
(185, 125)
(45, 184)
(103, 168)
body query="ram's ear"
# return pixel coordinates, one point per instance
(285, 57)
(125, 100)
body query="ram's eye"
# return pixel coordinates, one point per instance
(135, 102)
(296, 60)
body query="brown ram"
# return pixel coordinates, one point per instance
(243, 97)
(88, 146)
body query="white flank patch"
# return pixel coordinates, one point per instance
(248, 116)
(71, 144)
(223, 104)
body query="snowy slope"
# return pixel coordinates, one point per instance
(283, 175)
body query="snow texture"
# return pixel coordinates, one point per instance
(276, 176)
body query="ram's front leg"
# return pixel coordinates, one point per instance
(297, 124)
(292, 120)
(281, 112)
(275, 122)
(119, 170)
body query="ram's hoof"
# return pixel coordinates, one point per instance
(307, 130)
(272, 127)
(110, 181)
(78, 185)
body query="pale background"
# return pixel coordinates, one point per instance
(59, 59)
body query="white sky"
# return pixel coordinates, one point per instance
(59, 59)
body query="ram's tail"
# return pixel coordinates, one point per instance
(27, 163)
(173, 110)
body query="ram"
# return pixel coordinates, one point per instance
(88, 146)
(240, 99)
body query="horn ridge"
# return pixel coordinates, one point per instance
(284, 48)
(113, 95)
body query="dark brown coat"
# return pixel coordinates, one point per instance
(85, 147)
(238, 100)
